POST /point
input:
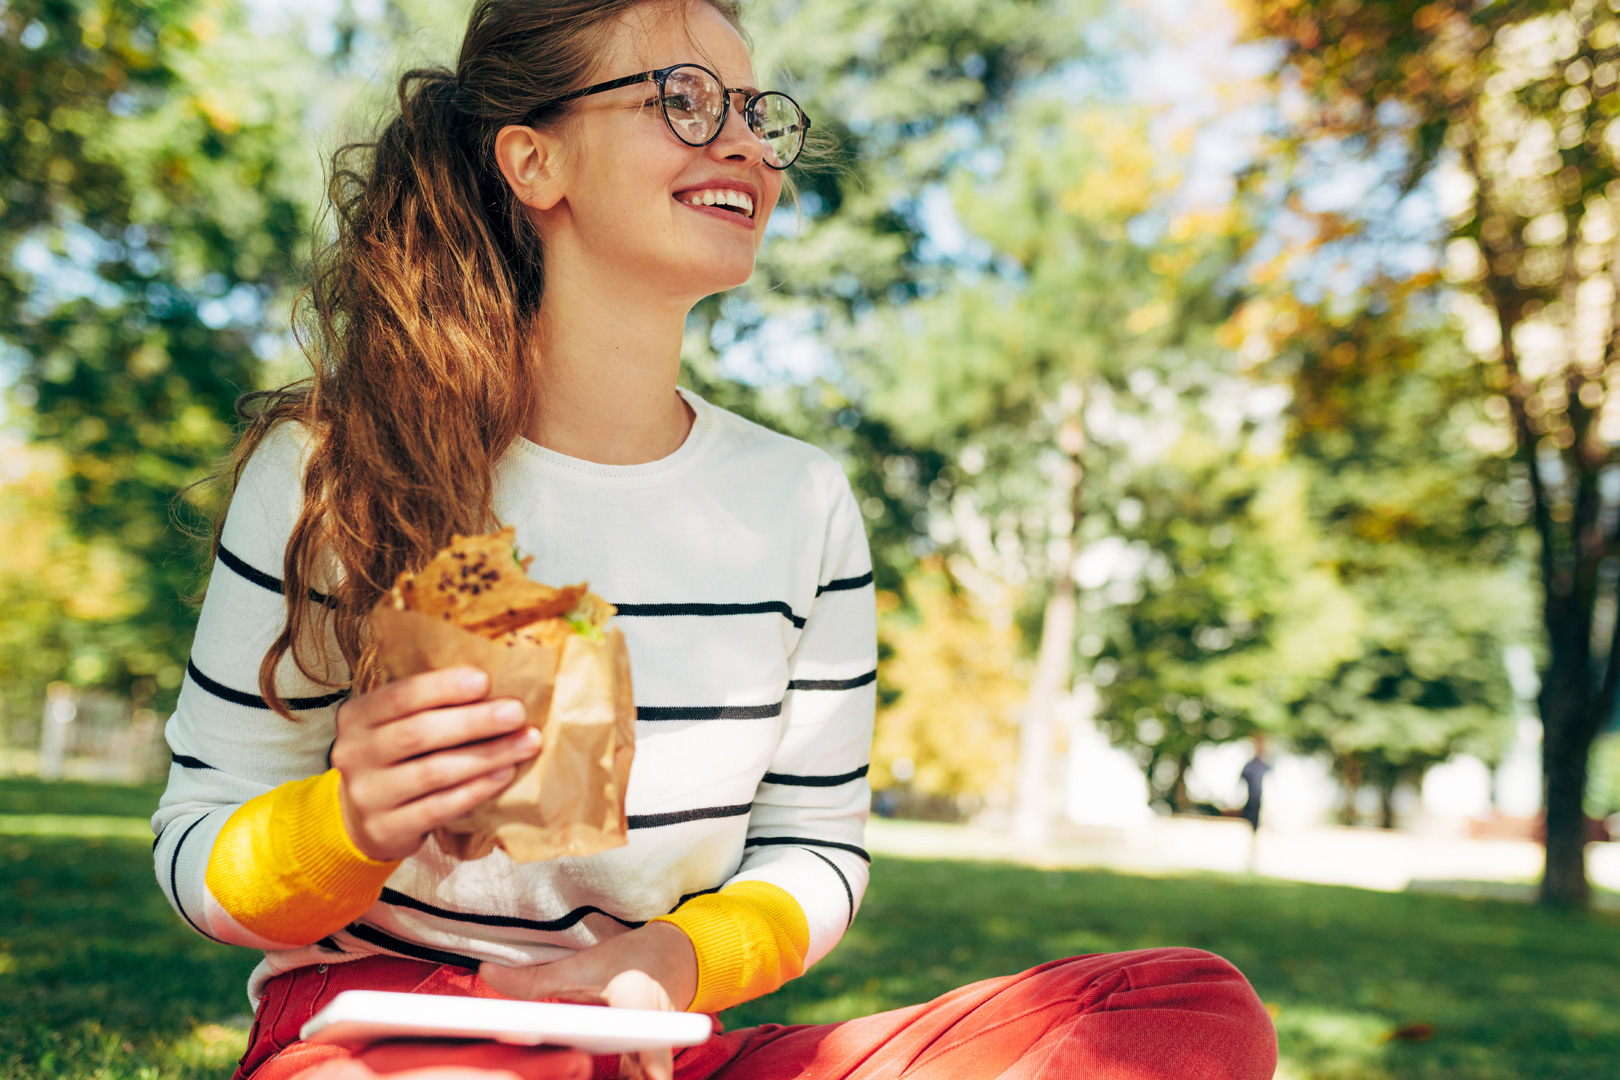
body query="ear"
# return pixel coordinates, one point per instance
(531, 160)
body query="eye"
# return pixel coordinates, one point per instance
(679, 102)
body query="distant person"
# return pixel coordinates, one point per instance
(1254, 777)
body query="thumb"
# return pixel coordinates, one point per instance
(539, 981)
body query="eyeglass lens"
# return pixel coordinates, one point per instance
(695, 104)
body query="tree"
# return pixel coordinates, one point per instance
(1000, 370)
(1410, 488)
(1516, 100)
(155, 185)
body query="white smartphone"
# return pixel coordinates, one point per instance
(357, 1017)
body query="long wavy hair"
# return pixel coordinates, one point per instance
(417, 325)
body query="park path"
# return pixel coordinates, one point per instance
(1385, 860)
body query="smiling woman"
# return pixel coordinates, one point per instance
(495, 335)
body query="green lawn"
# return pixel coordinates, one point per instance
(99, 979)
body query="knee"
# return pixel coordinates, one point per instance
(1193, 981)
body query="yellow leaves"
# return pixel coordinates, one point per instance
(1125, 181)
(44, 564)
(956, 716)
(204, 28)
(93, 27)
(219, 115)
(1198, 224)
(1429, 16)
(1149, 316)
(1172, 264)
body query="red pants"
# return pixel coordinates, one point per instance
(1175, 1014)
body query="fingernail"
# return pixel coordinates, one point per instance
(529, 738)
(509, 712)
(474, 681)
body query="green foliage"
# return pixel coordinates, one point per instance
(156, 191)
(1517, 99)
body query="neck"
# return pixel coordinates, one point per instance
(607, 372)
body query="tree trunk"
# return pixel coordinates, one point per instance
(1033, 803)
(1350, 778)
(1568, 728)
(1032, 798)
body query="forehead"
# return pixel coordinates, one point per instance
(656, 35)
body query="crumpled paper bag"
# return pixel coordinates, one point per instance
(569, 799)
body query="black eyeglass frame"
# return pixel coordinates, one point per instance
(661, 77)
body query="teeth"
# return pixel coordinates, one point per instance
(720, 197)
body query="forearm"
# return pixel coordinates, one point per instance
(285, 869)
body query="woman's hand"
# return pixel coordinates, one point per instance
(422, 751)
(652, 967)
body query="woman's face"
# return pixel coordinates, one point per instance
(633, 194)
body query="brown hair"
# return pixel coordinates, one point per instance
(415, 324)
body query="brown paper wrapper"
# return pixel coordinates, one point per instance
(569, 800)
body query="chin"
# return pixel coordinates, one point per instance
(719, 275)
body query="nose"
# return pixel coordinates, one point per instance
(736, 141)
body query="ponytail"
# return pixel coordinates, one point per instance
(417, 326)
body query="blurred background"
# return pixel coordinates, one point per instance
(1230, 388)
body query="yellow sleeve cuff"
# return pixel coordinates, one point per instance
(750, 938)
(285, 869)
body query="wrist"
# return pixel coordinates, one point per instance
(676, 960)
(350, 819)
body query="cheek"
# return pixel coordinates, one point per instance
(771, 198)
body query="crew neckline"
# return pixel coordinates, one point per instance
(681, 459)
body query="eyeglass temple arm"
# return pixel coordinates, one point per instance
(601, 88)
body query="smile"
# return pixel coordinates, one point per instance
(728, 199)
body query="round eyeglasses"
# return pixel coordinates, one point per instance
(695, 103)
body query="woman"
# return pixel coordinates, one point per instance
(498, 339)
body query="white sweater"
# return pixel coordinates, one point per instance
(740, 569)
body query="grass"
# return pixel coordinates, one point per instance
(99, 979)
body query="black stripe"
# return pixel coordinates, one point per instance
(848, 892)
(833, 684)
(708, 712)
(693, 896)
(763, 607)
(186, 761)
(792, 780)
(800, 841)
(843, 584)
(409, 948)
(258, 577)
(676, 817)
(254, 701)
(399, 899)
(174, 876)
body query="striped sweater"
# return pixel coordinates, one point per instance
(740, 569)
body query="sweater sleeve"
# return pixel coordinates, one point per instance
(803, 870)
(250, 846)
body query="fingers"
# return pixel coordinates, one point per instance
(636, 990)
(406, 826)
(416, 693)
(395, 786)
(648, 1065)
(439, 729)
